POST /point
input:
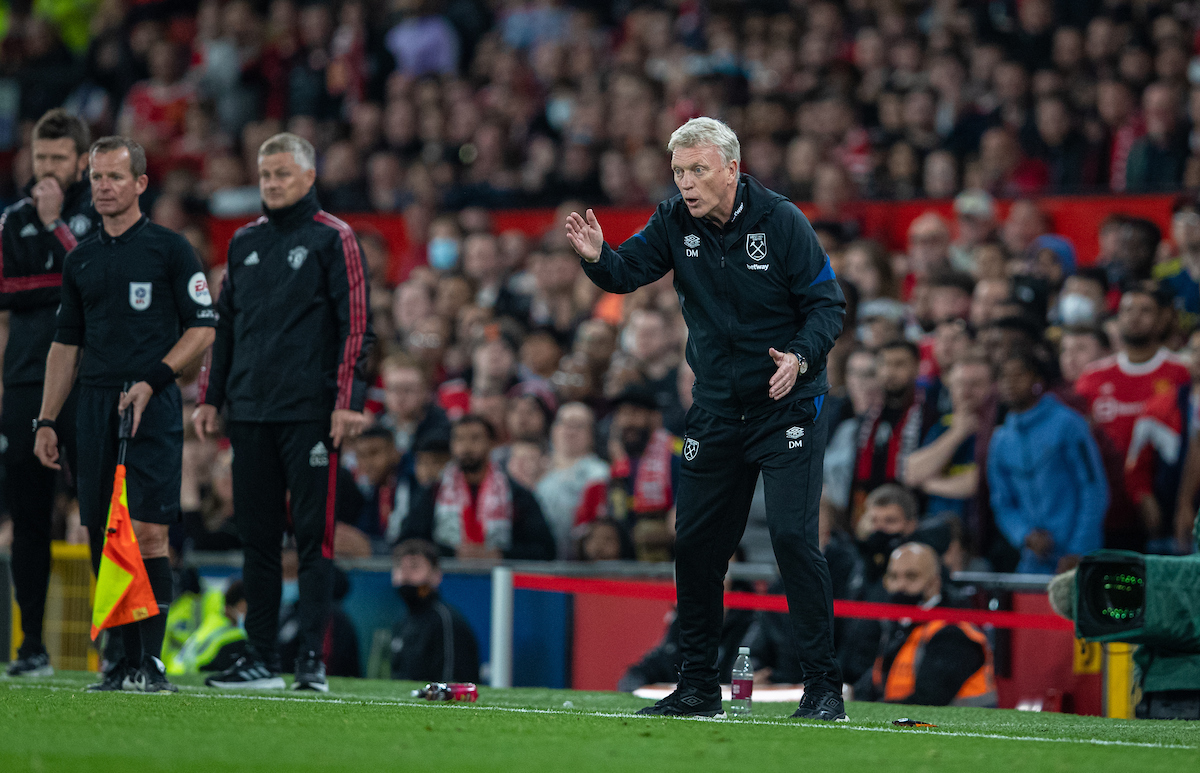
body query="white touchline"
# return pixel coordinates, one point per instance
(362, 700)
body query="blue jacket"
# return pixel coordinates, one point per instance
(1044, 472)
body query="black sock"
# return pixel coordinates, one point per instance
(154, 629)
(131, 633)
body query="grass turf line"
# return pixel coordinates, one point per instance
(369, 725)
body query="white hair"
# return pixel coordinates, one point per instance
(286, 142)
(702, 132)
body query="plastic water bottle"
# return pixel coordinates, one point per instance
(743, 684)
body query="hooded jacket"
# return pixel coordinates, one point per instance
(294, 324)
(760, 281)
(1044, 472)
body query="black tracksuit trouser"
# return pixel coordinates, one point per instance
(722, 459)
(284, 479)
(30, 489)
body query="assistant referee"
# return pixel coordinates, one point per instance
(762, 310)
(289, 365)
(135, 311)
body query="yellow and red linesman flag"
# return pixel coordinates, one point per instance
(123, 593)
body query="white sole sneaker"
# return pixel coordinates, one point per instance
(315, 686)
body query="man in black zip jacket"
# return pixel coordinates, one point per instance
(762, 310)
(36, 234)
(289, 366)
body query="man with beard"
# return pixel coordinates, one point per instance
(1045, 476)
(434, 643)
(893, 430)
(475, 510)
(645, 472)
(931, 663)
(1116, 389)
(36, 234)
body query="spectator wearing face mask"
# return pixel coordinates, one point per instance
(1084, 298)
(433, 642)
(931, 663)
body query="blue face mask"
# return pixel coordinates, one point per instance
(291, 593)
(443, 253)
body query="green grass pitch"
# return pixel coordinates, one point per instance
(53, 725)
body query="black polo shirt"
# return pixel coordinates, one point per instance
(127, 299)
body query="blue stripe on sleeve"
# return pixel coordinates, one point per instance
(825, 275)
(819, 400)
(643, 238)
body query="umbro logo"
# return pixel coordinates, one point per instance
(692, 700)
(30, 230)
(793, 435)
(251, 259)
(318, 456)
(691, 243)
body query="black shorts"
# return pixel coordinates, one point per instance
(153, 457)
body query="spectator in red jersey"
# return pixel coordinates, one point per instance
(1116, 390)
(1162, 440)
(1004, 170)
(155, 110)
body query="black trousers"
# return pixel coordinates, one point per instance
(29, 493)
(282, 471)
(722, 459)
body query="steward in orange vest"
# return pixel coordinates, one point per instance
(932, 663)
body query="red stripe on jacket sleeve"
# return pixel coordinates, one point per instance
(64, 236)
(22, 283)
(352, 348)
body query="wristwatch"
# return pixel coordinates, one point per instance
(802, 362)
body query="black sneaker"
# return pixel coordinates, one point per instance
(117, 677)
(248, 673)
(152, 677)
(688, 701)
(31, 665)
(827, 707)
(310, 673)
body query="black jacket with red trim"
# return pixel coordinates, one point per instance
(31, 262)
(294, 322)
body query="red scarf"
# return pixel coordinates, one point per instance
(652, 485)
(905, 438)
(485, 519)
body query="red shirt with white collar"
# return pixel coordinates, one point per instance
(1116, 390)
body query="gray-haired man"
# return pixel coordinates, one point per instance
(762, 310)
(289, 367)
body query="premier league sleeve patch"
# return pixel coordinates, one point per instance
(139, 295)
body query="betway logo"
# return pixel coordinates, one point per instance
(757, 266)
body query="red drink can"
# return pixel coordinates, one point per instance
(462, 691)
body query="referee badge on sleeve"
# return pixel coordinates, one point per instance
(139, 295)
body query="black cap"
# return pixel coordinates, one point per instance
(636, 394)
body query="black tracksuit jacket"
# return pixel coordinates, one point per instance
(294, 324)
(761, 281)
(31, 264)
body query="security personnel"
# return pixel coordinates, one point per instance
(135, 311)
(762, 310)
(289, 364)
(219, 641)
(36, 234)
(934, 663)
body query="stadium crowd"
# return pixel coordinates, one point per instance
(993, 397)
